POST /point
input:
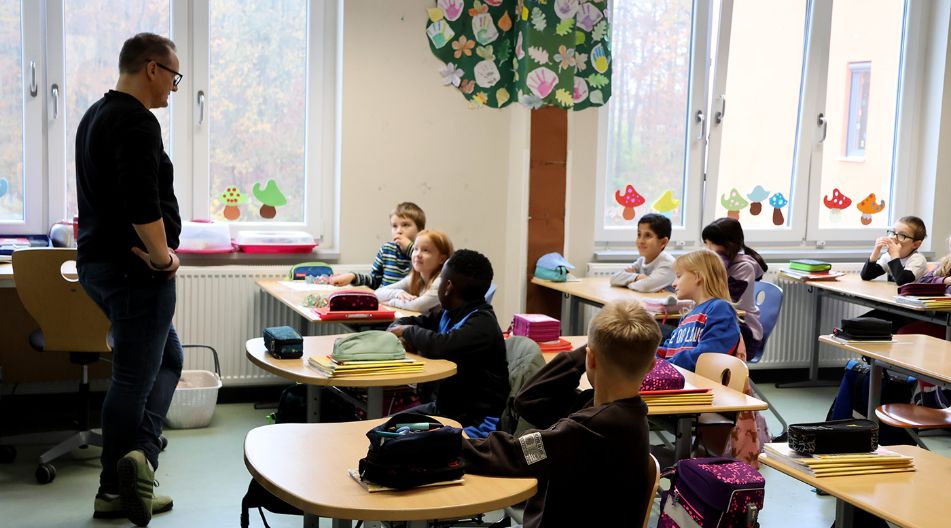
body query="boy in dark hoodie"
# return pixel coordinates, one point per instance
(591, 458)
(467, 333)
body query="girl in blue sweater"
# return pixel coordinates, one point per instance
(712, 325)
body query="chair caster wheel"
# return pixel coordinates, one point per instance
(7, 454)
(45, 473)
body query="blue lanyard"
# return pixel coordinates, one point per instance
(444, 327)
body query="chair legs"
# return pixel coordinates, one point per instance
(759, 394)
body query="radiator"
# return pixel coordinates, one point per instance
(221, 306)
(792, 341)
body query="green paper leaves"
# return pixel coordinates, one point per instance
(598, 81)
(539, 22)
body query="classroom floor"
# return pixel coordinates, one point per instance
(203, 470)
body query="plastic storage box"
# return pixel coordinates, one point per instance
(205, 237)
(193, 403)
(275, 242)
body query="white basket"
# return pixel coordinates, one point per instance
(193, 403)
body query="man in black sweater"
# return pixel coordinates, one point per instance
(467, 333)
(591, 458)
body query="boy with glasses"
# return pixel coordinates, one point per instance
(896, 253)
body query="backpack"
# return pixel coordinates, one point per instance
(852, 398)
(712, 493)
(310, 269)
(410, 450)
(553, 267)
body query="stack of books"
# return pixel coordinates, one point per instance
(689, 395)
(333, 368)
(882, 460)
(537, 327)
(941, 302)
(809, 269)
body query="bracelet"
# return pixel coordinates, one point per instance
(171, 260)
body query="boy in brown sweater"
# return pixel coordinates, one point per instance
(591, 458)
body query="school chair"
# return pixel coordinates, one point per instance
(727, 370)
(769, 299)
(70, 322)
(653, 473)
(912, 417)
(490, 293)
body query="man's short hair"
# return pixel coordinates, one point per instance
(471, 274)
(411, 211)
(659, 224)
(138, 50)
(626, 336)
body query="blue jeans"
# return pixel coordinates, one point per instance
(146, 362)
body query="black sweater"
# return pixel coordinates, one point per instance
(872, 270)
(591, 464)
(480, 387)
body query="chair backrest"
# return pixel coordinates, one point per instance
(524, 358)
(724, 369)
(653, 473)
(769, 299)
(490, 293)
(69, 319)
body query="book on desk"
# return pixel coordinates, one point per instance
(804, 276)
(338, 369)
(689, 395)
(938, 302)
(882, 460)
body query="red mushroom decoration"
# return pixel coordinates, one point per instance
(629, 200)
(232, 198)
(868, 206)
(838, 202)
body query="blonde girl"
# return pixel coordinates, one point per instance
(418, 291)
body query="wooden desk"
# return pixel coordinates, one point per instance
(309, 471)
(298, 370)
(725, 400)
(294, 299)
(7, 278)
(595, 291)
(921, 356)
(877, 294)
(915, 499)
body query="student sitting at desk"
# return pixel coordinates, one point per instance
(896, 253)
(419, 291)
(467, 333)
(392, 262)
(592, 457)
(653, 271)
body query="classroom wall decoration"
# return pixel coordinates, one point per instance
(836, 205)
(778, 201)
(4, 186)
(629, 200)
(733, 203)
(666, 204)
(757, 195)
(270, 196)
(868, 207)
(536, 52)
(232, 198)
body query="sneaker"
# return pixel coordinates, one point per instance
(136, 481)
(107, 507)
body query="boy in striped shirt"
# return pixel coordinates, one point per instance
(392, 261)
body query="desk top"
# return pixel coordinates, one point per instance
(878, 290)
(309, 471)
(914, 499)
(294, 299)
(725, 399)
(298, 370)
(921, 354)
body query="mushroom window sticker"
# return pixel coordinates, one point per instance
(270, 196)
(756, 196)
(666, 204)
(733, 203)
(232, 198)
(778, 201)
(836, 205)
(629, 200)
(868, 206)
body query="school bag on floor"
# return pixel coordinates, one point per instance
(712, 493)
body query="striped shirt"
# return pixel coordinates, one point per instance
(389, 266)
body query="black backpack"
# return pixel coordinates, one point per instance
(410, 450)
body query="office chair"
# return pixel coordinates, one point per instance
(70, 322)
(769, 299)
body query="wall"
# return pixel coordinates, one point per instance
(407, 137)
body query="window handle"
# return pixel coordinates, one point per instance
(722, 113)
(201, 107)
(824, 123)
(54, 94)
(33, 88)
(701, 120)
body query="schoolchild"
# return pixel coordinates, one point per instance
(418, 291)
(896, 254)
(590, 453)
(392, 261)
(653, 270)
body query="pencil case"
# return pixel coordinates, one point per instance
(922, 289)
(352, 301)
(864, 329)
(835, 436)
(663, 377)
(283, 342)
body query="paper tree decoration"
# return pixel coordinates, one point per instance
(757, 195)
(838, 203)
(271, 197)
(666, 204)
(733, 204)
(869, 207)
(537, 52)
(778, 201)
(4, 187)
(232, 198)
(629, 200)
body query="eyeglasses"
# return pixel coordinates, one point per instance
(178, 76)
(901, 237)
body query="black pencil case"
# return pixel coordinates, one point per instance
(283, 342)
(835, 436)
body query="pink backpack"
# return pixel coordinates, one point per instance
(663, 377)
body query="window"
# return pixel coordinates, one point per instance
(796, 138)
(860, 74)
(12, 207)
